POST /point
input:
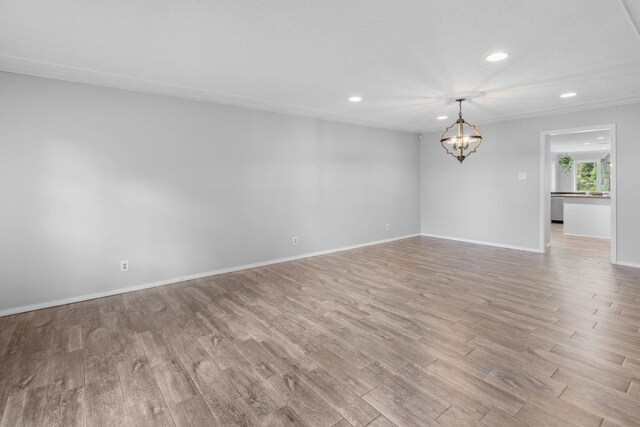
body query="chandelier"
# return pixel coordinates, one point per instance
(461, 139)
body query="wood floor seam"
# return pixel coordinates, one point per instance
(395, 334)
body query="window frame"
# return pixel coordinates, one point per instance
(598, 163)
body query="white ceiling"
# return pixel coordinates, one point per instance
(405, 58)
(594, 140)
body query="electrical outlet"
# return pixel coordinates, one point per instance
(124, 266)
(522, 176)
(387, 227)
(295, 240)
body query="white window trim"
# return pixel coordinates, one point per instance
(598, 163)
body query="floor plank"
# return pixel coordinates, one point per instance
(382, 336)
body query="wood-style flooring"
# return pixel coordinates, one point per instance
(416, 332)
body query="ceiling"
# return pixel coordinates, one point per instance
(593, 140)
(405, 58)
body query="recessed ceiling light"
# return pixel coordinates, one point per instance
(568, 95)
(443, 117)
(600, 137)
(587, 143)
(498, 56)
(355, 99)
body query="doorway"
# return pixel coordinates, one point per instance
(578, 188)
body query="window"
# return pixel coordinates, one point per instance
(592, 175)
(586, 176)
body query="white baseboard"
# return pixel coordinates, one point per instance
(628, 264)
(586, 235)
(479, 242)
(86, 297)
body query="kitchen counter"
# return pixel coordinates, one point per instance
(588, 216)
(580, 196)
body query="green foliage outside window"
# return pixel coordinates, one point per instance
(586, 176)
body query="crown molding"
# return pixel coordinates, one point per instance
(30, 67)
(587, 106)
(632, 21)
(25, 66)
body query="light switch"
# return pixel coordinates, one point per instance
(522, 176)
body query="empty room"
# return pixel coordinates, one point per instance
(337, 213)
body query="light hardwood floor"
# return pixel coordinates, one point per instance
(416, 332)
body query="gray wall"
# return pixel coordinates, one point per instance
(483, 200)
(91, 176)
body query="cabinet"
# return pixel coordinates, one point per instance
(557, 209)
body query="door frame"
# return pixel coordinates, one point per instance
(545, 184)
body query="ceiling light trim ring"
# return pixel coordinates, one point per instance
(497, 56)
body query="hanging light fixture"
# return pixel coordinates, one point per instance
(461, 139)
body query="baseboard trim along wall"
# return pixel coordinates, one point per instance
(25, 308)
(480, 242)
(586, 235)
(628, 264)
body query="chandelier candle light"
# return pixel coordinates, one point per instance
(463, 140)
